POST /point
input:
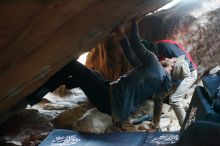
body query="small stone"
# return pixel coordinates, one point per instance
(164, 123)
(174, 126)
(92, 121)
(166, 108)
(66, 118)
(214, 70)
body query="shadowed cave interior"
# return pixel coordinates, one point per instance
(192, 23)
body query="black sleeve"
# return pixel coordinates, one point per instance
(144, 55)
(169, 50)
(129, 53)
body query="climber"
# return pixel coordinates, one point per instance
(122, 97)
(166, 50)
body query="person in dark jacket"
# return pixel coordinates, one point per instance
(167, 50)
(122, 97)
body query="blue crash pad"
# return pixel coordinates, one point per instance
(64, 137)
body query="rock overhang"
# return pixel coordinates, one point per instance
(37, 38)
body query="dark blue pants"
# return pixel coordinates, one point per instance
(74, 74)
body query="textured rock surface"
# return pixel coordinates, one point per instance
(196, 30)
(93, 121)
(73, 111)
(37, 38)
(194, 24)
(30, 128)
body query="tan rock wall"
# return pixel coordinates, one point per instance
(108, 59)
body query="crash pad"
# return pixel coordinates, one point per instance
(64, 137)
